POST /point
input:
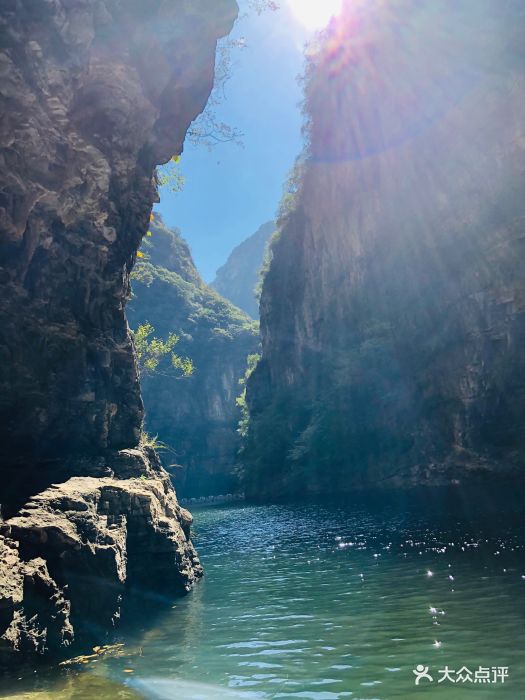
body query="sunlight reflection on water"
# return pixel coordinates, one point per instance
(328, 602)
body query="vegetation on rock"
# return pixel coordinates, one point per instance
(152, 351)
(195, 416)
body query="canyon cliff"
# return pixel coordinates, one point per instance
(94, 95)
(195, 416)
(393, 310)
(238, 278)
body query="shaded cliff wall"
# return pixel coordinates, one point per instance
(94, 94)
(238, 278)
(393, 312)
(195, 416)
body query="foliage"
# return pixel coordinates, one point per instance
(208, 130)
(251, 364)
(222, 333)
(266, 439)
(147, 440)
(202, 304)
(261, 6)
(267, 260)
(170, 175)
(285, 207)
(184, 364)
(291, 189)
(323, 435)
(169, 295)
(151, 351)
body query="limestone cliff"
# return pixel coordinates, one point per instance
(393, 312)
(94, 94)
(195, 416)
(238, 278)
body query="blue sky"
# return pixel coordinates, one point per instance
(230, 191)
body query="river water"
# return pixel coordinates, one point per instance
(326, 602)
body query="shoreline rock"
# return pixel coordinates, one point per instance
(111, 535)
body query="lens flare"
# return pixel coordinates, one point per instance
(315, 14)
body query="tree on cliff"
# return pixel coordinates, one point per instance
(152, 351)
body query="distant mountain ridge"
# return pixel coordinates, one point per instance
(196, 416)
(237, 278)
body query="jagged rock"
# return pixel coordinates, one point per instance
(95, 94)
(34, 613)
(108, 535)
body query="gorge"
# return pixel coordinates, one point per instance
(355, 373)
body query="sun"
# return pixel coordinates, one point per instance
(315, 14)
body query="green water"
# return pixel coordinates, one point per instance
(324, 603)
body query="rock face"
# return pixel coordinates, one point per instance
(393, 312)
(94, 95)
(33, 611)
(237, 279)
(196, 416)
(109, 534)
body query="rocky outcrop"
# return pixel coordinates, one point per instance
(393, 312)
(110, 534)
(238, 278)
(196, 416)
(33, 611)
(94, 95)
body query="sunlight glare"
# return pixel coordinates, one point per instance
(315, 14)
